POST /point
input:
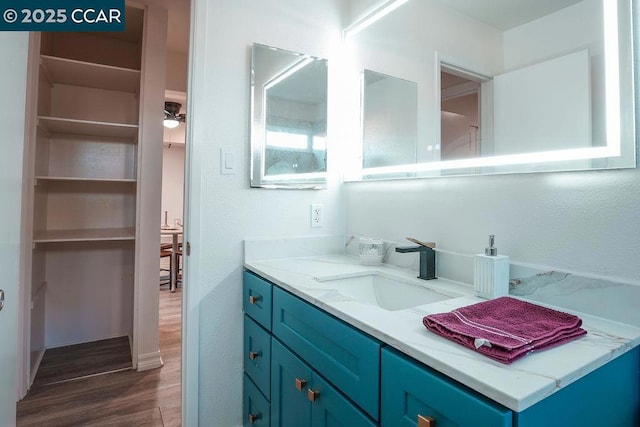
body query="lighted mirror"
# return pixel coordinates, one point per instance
(288, 119)
(459, 87)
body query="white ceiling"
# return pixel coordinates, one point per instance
(500, 14)
(507, 14)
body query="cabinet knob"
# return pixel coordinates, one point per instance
(254, 299)
(253, 355)
(300, 384)
(313, 395)
(253, 418)
(426, 421)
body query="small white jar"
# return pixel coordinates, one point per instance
(371, 251)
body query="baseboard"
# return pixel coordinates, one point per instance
(149, 361)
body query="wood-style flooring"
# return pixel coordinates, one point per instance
(127, 398)
(82, 360)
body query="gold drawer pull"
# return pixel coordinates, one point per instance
(253, 418)
(313, 395)
(300, 384)
(254, 299)
(253, 355)
(426, 421)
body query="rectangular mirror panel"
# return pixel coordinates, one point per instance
(288, 119)
(500, 86)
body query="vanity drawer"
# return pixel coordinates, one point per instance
(256, 299)
(349, 359)
(256, 409)
(410, 390)
(257, 355)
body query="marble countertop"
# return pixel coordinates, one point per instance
(516, 386)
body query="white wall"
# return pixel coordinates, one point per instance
(224, 210)
(566, 31)
(172, 182)
(577, 221)
(13, 50)
(177, 71)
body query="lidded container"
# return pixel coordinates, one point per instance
(371, 251)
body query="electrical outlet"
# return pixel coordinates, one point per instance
(316, 215)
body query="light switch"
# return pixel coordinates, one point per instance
(227, 162)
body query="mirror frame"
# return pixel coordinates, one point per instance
(258, 179)
(620, 151)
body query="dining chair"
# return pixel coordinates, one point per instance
(165, 251)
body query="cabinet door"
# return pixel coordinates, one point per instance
(256, 407)
(345, 356)
(332, 409)
(411, 390)
(256, 299)
(290, 380)
(257, 355)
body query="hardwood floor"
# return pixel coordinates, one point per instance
(82, 360)
(128, 398)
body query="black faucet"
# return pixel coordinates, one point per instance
(427, 260)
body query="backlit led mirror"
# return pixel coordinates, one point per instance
(457, 87)
(288, 119)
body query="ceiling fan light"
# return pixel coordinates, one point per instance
(172, 116)
(170, 122)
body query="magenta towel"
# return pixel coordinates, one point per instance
(505, 329)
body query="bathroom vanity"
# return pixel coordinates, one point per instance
(317, 353)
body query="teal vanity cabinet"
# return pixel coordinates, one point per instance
(256, 407)
(301, 397)
(348, 358)
(304, 367)
(301, 363)
(415, 395)
(257, 351)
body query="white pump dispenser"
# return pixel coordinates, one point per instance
(491, 273)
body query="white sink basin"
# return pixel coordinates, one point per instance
(385, 291)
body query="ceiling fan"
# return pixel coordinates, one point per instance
(172, 116)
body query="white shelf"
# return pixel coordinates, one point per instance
(87, 74)
(87, 127)
(83, 179)
(84, 235)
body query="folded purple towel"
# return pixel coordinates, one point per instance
(505, 329)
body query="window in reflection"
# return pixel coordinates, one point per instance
(279, 139)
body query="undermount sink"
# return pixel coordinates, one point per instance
(385, 291)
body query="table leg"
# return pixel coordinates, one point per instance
(173, 282)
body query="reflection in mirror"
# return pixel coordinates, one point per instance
(289, 119)
(459, 115)
(389, 120)
(501, 86)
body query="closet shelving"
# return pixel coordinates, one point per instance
(85, 160)
(85, 235)
(89, 74)
(87, 136)
(86, 127)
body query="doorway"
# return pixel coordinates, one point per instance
(460, 114)
(177, 65)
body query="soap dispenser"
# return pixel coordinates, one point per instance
(491, 272)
